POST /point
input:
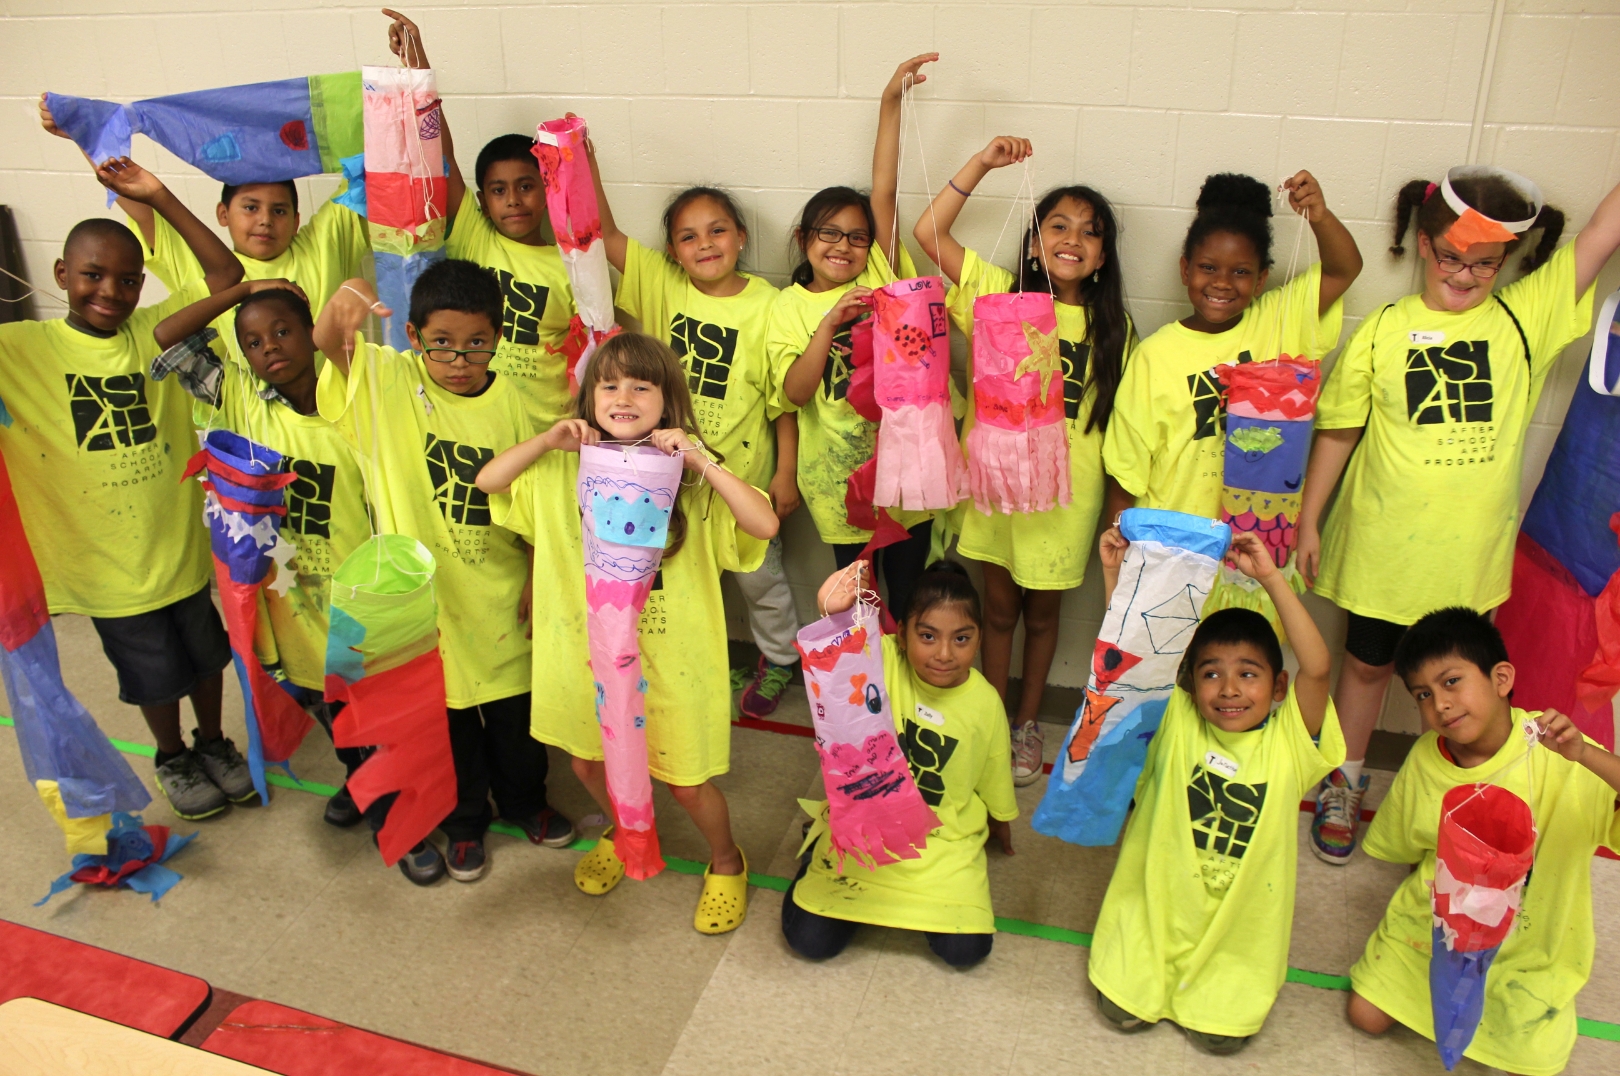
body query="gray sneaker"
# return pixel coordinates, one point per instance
(1219, 1045)
(190, 793)
(226, 767)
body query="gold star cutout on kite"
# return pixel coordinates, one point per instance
(1043, 358)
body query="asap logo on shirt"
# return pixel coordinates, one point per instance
(525, 306)
(453, 469)
(309, 499)
(1224, 812)
(1209, 401)
(835, 375)
(707, 351)
(1076, 357)
(110, 412)
(1449, 383)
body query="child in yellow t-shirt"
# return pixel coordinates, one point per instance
(96, 453)
(1195, 925)
(326, 507)
(1455, 665)
(713, 316)
(949, 721)
(848, 244)
(1425, 415)
(1165, 442)
(634, 390)
(1071, 249)
(423, 422)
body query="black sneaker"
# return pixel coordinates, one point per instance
(1120, 1017)
(1218, 1045)
(342, 811)
(548, 828)
(226, 767)
(467, 860)
(423, 865)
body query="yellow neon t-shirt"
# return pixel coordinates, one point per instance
(1043, 550)
(682, 631)
(96, 449)
(833, 440)
(326, 520)
(539, 306)
(1528, 1024)
(1166, 439)
(1195, 925)
(421, 448)
(955, 740)
(1434, 482)
(736, 390)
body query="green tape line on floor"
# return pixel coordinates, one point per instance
(1592, 1029)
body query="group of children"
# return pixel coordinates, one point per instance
(469, 443)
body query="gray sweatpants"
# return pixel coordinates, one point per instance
(771, 612)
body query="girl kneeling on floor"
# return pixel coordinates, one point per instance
(634, 390)
(952, 727)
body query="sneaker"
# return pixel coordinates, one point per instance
(423, 865)
(191, 795)
(1028, 745)
(1127, 1022)
(1219, 1045)
(467, 861)
(226, 767)
(1338, 817)
(764, 694)
(548, 828)
(342, 811)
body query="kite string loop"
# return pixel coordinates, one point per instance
(1532, 734)
(1293, 260)
(909, 117)
(31, 290)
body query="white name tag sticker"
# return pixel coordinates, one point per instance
(930, 715)
(1221, 765)
(1420, 337)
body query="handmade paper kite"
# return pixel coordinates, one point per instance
(134, 858)
(260, 133)
(1018, 449)
(1485, 844)
(78, 774)
(1472, 226)
(919, 460)
(1270, 408)
(406, 187)
(626, 494)
(1562, 622)
(875, 812)
(559, 146)
(244, 509)
(1165, 577)
(382, 659)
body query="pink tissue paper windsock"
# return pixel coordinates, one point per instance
(559, 146)
(626, 494)
(875, 811)
(919, 460)
(1018, 449)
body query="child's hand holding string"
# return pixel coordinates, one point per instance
(1004, 150)
(1250, 556)
(345, 314)
(1559, 734)
(841, 588)
(675, 442)
(1305, 196)
(851, 305)
(911, 68)
(405, 41)
(569, 434)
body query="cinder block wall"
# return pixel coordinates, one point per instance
(776, 100)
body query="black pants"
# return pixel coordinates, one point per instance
(325, 713)
(818, 937)
(899, 564)
(494, 754)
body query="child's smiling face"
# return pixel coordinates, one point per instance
(513, 197)
(1222, 278)
(626, 408)
(1455, 286)
(262, 220)
(1235, 686)
(449, 331)
(940, 643)
(838, 262)
(706, 241)
(1069, 242)
(102, 278)
(1462, 702)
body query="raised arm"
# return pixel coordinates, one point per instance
(1330, 452)
(1253, 559)
(886, 154)
(343, 316)
(405, 42)
(617, 242)
(1341, 258)
(139, 213)
(933, 230)
(131, 182)
(1559, 733)
(193, 319)
(1597, 242)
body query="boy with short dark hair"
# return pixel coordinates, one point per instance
(1196, 922)
(96, 454)
(1456, 666)
(425, 422)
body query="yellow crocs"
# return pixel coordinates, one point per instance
(724, 902)
(600, 869)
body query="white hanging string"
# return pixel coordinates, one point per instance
(1532, 735)
(908, 116)
(31, 291)
(1293, 263)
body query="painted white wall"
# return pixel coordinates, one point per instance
(776, 100)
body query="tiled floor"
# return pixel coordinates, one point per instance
(522, 970)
